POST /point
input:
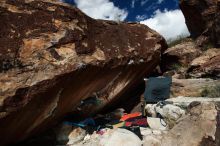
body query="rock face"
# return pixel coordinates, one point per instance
(178, 57)
(206, 65)
(202, 19)
(192, 87)
(52, 56)
(199, 128)
(121, 137)
(182, 54)
(216, 28)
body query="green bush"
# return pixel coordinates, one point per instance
(207, 46)
(178, 40)
(175, 66)
(211, 91)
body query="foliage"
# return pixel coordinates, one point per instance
(177, 40)
(207, 46)
(212, 92)
(175, 66)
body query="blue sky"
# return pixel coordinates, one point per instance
(141, 8)
(144, 7)
(164, 16)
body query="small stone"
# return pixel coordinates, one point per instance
(157, 132)
(121, 137)
(76, 135)
(145, 131)
(155, 123)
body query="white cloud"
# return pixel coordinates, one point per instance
(141, 17)
(143, 2)
(160, 1)
(176, 2)
(133, 3)
(169, 24)
(101, 9)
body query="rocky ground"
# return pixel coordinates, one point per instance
(51, 67)
(196, 120)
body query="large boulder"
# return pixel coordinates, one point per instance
(116, 137)
(202, 19)
(52, 56)
(200, 127)
(182, 54)
(177, 58)
(121, 137)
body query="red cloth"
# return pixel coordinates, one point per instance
(140, 122)
(101, 132)
(128, 116)
(128, 124)
(137, 122)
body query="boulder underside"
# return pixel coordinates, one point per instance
(52, 57)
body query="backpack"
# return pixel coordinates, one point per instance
(157, 89)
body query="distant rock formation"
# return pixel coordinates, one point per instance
(52, 56)
(202, 19)
(198, 56)
(206, 65)
(179, 57)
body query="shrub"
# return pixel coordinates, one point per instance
(175, 66)
(177, 40)
(207, 46)
(211, 91)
